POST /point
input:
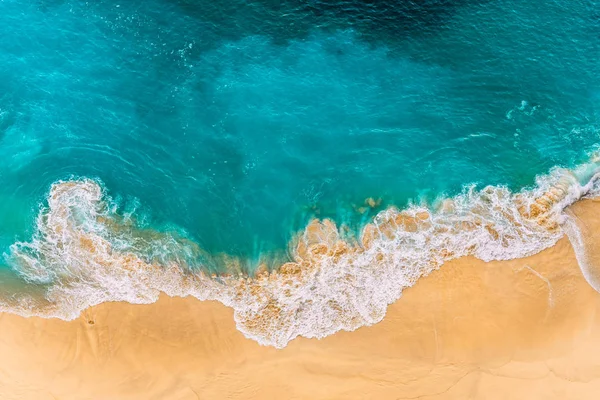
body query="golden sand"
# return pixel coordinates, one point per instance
(519, 329)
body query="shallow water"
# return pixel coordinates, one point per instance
(218, 130)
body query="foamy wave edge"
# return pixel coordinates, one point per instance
(84, 254)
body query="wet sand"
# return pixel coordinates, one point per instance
(526, 328)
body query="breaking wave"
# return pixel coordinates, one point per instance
(85, 253)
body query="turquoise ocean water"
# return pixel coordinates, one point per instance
(216, 130)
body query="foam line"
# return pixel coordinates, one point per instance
(85, 254)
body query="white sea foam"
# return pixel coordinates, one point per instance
(85, 254)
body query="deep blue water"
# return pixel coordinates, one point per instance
(235, 122)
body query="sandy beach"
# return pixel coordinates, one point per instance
(525, 328)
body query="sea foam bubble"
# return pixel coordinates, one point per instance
(84, 253)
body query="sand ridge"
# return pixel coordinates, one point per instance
(525, 328)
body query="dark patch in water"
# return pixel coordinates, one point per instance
(292, 19)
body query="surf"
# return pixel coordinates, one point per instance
(85, 252)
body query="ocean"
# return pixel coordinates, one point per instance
(300, 161)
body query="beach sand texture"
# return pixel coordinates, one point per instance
(521, 329)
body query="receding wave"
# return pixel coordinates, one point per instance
(84, 253)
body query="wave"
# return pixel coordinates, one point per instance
(85, 253)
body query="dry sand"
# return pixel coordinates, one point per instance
(520, 329)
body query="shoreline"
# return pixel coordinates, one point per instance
(522, 328)
(84, 253)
